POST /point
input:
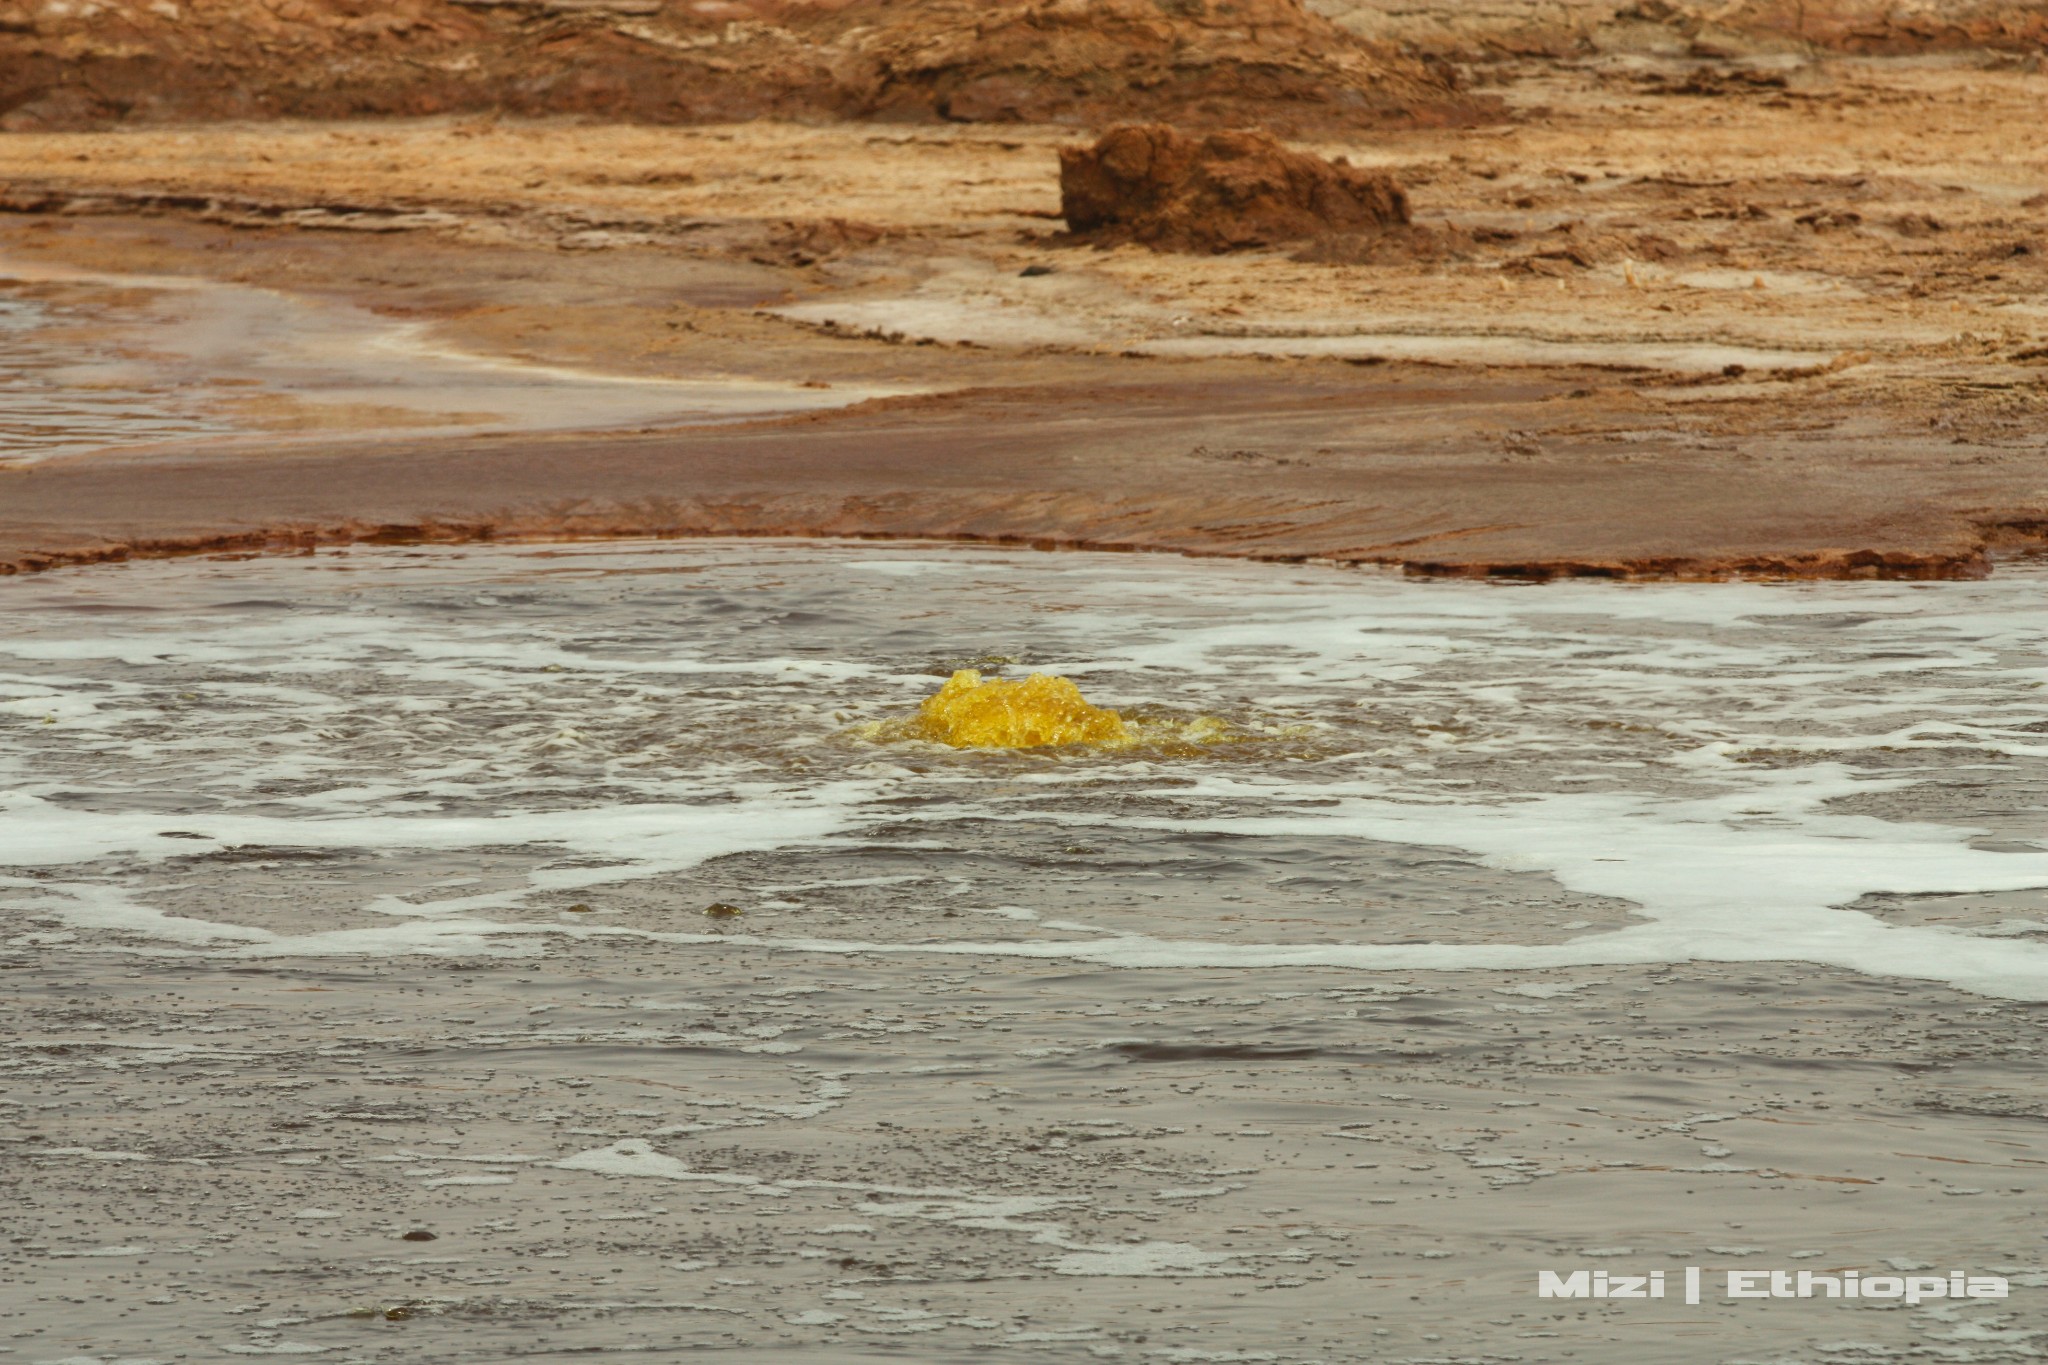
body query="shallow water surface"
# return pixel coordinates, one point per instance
(92, 361)
(364, 1002)
(64, 388)
(1726, 773)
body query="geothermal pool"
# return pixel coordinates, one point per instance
(365, 893)
(1741, 773)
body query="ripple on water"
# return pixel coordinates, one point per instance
(90, 361)
(394, 751)
(64, 389)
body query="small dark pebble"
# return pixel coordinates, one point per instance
(579, 908)
(419, 1235)
(720, 910)
(1032, 272)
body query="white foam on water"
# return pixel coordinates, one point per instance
(1754, 876)
(631, 712)
(636, 841)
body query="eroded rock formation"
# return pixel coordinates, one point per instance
(1227, 191)
(76, 63)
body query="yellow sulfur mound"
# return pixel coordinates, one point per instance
(1042, 710)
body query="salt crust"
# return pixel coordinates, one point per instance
(634, 1158)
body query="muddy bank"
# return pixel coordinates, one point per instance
(1515, 470)
(1623, 338)
(1280, 469)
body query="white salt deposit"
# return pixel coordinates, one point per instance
(1146, 1259)
(992, 1212)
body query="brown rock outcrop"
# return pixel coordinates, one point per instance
(1204, 62)
(1564, 28)
(1209, 63)
(1228, 191)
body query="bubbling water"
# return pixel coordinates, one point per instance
(1046, 711)
(400, 751)
(1040, 712)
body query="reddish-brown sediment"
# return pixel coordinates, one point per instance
(1210, 62)
(1666, 343)
(1879, 26)
(1314, 470)
(1521, 29)
(1230, 191)
(1207, 62)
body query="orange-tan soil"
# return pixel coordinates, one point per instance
(92, 62)
(1670, 314)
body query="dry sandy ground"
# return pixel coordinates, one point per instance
(1774, 313)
